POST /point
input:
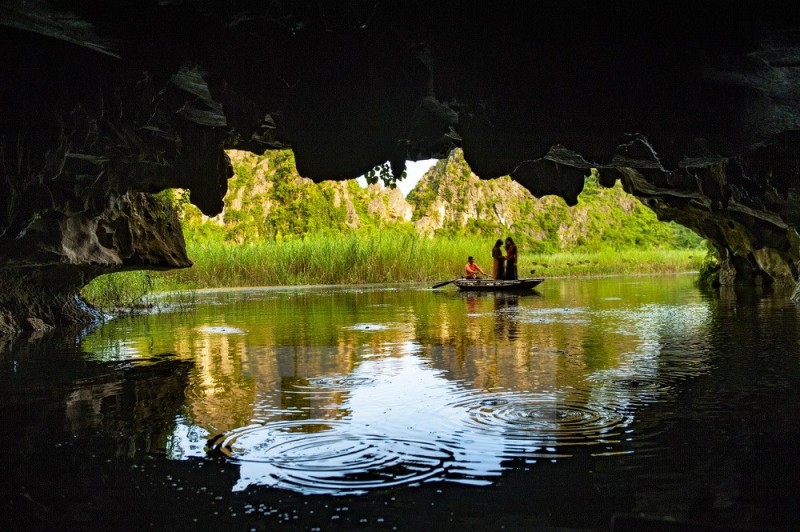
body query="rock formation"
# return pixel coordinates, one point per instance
(694, 105)
(44, 268)
(268, 199)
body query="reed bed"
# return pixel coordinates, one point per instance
(341, 259)
(383, 257)
(401, 257)
(136, 292)
(613, 262)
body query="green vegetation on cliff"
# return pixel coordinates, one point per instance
(451, 200)
(268, 201)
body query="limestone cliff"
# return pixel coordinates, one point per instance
(450, 198)
(450, 195)
(267, 198)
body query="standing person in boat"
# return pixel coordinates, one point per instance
(511, 260)
(471, 270)
(498, 261)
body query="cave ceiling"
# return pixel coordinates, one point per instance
(694, 106)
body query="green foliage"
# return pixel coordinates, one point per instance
(610, 262)
(708, 275)
(392, 255)
(267, 199)
(383, 173)
(389, 255)
(427, 190)
(605, 218)
(685, 238)
(136, 292)
(128, 290)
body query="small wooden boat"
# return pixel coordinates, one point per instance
(497, 285)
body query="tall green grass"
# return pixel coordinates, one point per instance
(322, 259)
(129, 290)
(382, 257)
(137, 292)
(397, 257)
(613, 262)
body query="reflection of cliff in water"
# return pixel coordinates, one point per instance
(257, 354)
(518, 341)
(52, 393)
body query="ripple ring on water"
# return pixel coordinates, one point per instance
(543, 420)
(322, 457)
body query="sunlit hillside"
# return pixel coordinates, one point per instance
(268, 200)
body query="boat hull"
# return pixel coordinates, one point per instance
(492, 285)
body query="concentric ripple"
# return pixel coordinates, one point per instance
(635, 390)
(321, 457)
(542, 420)
(328, 386)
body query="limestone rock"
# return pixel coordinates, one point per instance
(389, 204)
(44, 269)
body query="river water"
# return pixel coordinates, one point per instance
(588, 404)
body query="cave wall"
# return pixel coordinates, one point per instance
(746, 206)
(693, 105)
(44, 269)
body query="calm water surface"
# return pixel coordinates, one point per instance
(384, 407)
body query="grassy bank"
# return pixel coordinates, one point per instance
(610, 262)
(389, 257)
(338, 259)
(350, 259)
(137, 292)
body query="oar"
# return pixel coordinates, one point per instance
(437, 285)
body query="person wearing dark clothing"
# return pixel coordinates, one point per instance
(498, 266)
(511, 260)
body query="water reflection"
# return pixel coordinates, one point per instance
(345, 390)
(51, 394)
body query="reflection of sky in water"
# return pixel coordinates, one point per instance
(116, 350)
(650, 322)
(408, 418)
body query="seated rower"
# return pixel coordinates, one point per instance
(471, 270)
